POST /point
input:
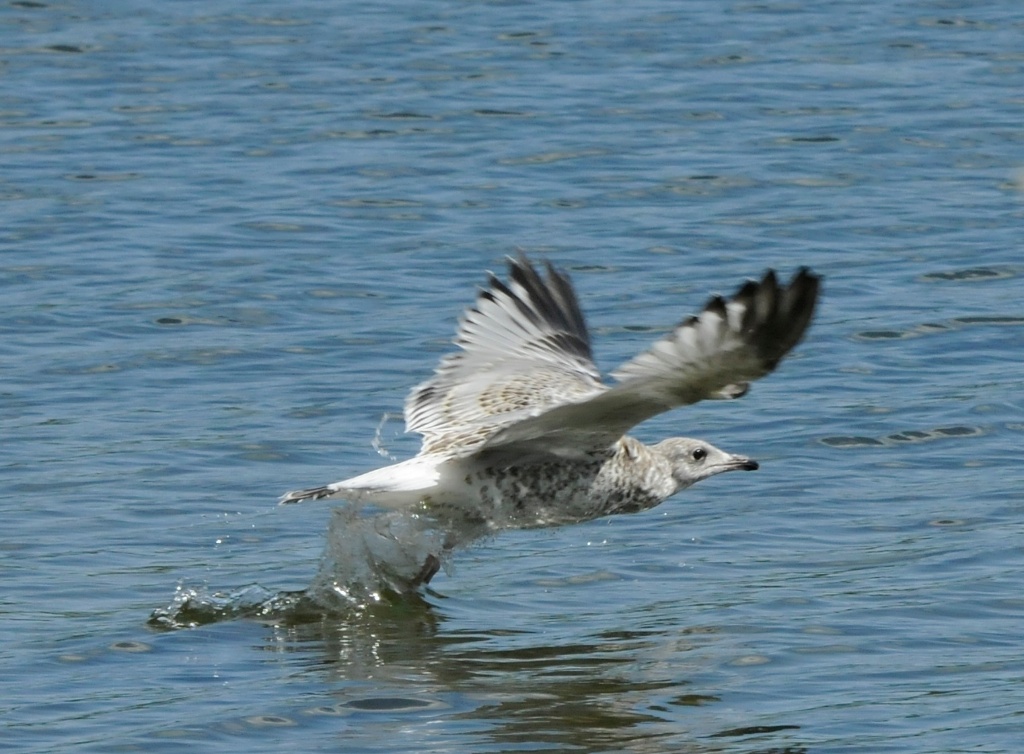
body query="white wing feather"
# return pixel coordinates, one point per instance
(711, 356)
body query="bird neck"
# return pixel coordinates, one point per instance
(650, 469)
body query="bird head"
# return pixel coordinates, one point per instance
(692, 460)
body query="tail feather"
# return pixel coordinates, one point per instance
(395, 484)
(312, 493)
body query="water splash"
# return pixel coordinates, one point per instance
(196, 606)
(378, 437)
(370, 558)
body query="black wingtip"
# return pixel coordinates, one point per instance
(519, 263)
(716, 305)
(776, 315)
(806, 282)
(549, 297)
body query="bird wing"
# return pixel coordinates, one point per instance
(523, 349)
(712, 355)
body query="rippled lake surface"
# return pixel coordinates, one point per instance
(235, 233)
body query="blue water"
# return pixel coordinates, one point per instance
(234, 234)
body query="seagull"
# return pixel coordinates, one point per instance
(520, 430)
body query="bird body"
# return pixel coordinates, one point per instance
(625, 478)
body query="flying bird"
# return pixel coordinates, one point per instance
(520, 430)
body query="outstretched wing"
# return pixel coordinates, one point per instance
(524, 348)
(713, 355)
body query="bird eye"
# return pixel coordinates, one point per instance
(699, 454)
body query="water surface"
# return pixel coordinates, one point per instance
(235, 234)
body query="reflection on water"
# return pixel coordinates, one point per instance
(399, 659)
(396, 660)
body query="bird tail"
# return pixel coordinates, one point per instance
(311, 493)
(396, 485)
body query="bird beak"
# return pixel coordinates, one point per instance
(742, 463)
